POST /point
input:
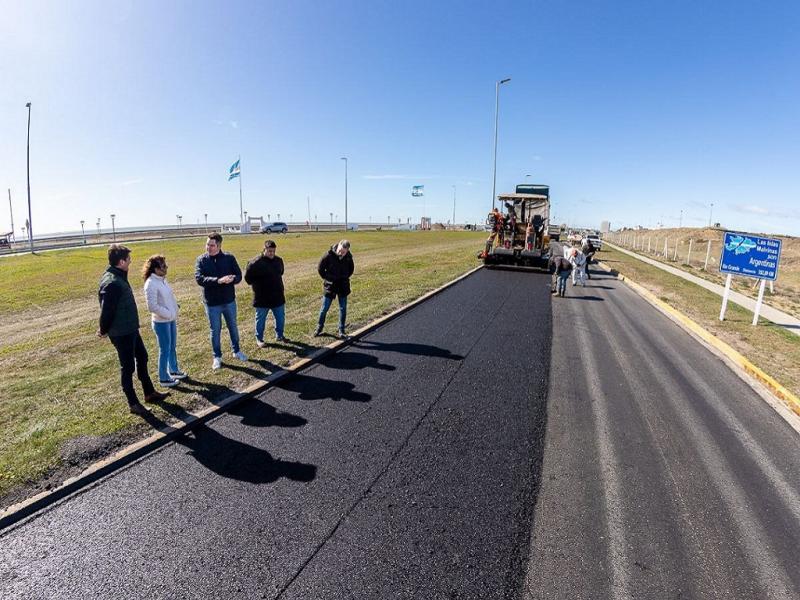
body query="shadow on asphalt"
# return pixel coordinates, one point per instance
(590, 298)
(257, 413)
(408, 348)
(235, 460)
(355, 360)
(308, 387)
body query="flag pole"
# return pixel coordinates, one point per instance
(241, 211)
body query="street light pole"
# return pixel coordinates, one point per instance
(98, 228)
(11, 210)
(83, 232)
(496, 119)
(205, 216)
(344, 158)
(30, 216)
(113, 229)
(454, 207)
(180, 218)
(710, 213)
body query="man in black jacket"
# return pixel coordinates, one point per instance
(265, 275)
(119, 320)
(560, 267)
(217, 273)
(335, 267)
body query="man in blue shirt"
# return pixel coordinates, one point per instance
(217, 273)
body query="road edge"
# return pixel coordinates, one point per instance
(139, 450)
(787, 398)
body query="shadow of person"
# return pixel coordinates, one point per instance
(355, 360)
(408, 348)
(298, 347)
(236, 460)
(257, 413)
(212, 392)
(308, 387)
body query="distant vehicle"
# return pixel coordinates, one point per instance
(596, 241)
(276, 227)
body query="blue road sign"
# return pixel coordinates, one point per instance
(750, 255)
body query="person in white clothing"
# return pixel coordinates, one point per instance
(163, 307)
(578, 262)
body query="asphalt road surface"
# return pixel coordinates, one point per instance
(415, 464)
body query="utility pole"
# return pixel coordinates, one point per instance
(11, 210)
(30, 216)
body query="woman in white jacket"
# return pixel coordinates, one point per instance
(163, 309)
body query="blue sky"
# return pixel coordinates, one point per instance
(632, 111)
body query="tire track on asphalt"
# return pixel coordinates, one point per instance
(394, 455)
(772, 578)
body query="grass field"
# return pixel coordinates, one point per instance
(61, 402)
(772, 348)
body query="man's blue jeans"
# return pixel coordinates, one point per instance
(279, 313)
(215, 315)
(326, 304)
(167, 336)
(562, 282)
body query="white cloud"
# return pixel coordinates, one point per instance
(131, 182)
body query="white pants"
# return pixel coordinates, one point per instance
(579, 272)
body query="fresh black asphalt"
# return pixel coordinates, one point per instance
(402, 467)
(490, 443)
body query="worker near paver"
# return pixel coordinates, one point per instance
(589, 252)
(119, 320)
(335, 267)
(560, 268)
(264, 274)
(578, 262)
(217, 273)
(496, 223)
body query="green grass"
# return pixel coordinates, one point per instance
(60, 381)
(773, 349)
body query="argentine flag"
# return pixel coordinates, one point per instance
(233, 171)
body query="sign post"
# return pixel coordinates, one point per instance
(751, 256)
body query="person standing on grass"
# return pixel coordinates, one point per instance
(119, 320)
(265, 275)
(335, 267)
(163, 307)
(217, 273)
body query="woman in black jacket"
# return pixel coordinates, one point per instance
(335, 267)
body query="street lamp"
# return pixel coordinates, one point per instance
(331, 218)
(113, 229)
(454, 207)
(98, 227)
(344, 158)
(710, 213)
(496, 119)
(205, 216)
(291, 217)
(30, 216)
(180, 218)
(83, 232)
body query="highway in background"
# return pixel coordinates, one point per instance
(490, 443)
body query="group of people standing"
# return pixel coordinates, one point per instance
(574, 261)
(218, 273)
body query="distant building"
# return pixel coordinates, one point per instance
(605, 227)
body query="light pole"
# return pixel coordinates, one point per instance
(11, 210)
(496, 119)
(113, 229)
(331, 218)
(291, 217)
(205, 216)
(98, 228)
(454, 207)
(83, 232)
(180, 218)
(344, 158)
(680, 220)
(710, 213)
(30, 216)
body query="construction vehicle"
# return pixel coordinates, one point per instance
(519, 234)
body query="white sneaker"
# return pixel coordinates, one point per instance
(240, 355)
(217, 364)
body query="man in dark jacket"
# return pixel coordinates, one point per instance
(335, 267)
(119, 320)
(265, 275)
(560, 267)
(217, 273)
(588, 250)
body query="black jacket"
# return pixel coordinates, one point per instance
(118, 312)
(265, 275)
(336, 273)
(208, 269)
